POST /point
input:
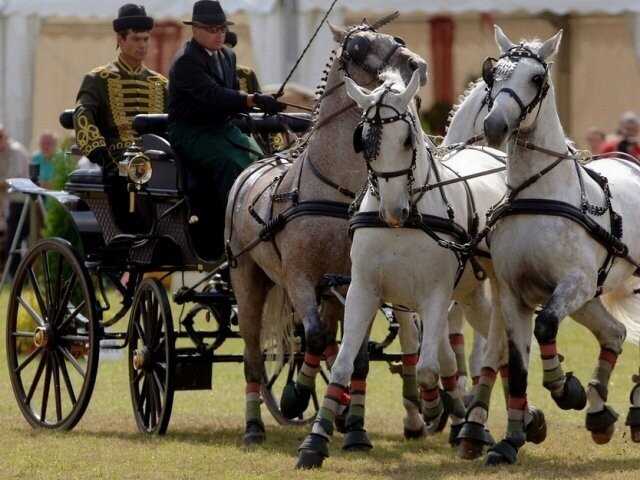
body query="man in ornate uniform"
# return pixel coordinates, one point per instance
(112, 95)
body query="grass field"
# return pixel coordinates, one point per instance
(204, 439)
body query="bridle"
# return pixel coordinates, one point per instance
(370, 146)
(355, 50)
(515, 54)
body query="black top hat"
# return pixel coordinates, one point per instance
(134, 17)
(208, 12)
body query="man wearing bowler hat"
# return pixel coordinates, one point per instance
(203, 92)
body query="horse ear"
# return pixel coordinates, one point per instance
(550, 47)
(501, 39)
(410, 91)
(339, 34)
(360, 94)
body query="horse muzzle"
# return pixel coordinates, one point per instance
(496, 129)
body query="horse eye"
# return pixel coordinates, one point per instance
(537, 79)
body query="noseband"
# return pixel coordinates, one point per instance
(370, 146)
(515, 54)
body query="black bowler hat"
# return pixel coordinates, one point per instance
(208, 12)
(133, 17)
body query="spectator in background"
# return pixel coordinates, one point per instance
(595, 138)
(14, 163)
(46, 157)
(246, 77)
(626, 140)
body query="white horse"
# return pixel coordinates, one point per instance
(417, 266)
(557, 242)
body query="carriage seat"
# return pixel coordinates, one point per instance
(84, 179)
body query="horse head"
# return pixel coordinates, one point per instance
(365, 53)
(517, 83)
(390, 138)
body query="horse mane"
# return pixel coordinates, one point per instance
(461, 98)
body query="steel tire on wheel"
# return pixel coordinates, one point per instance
(52, 336)
(151, 357)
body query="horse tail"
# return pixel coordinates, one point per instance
(278, 332)
(624, 305)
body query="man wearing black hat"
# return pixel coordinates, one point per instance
(111, 95)
(203, 92)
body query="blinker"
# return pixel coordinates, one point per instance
(358, 142)
(358, 48)
(487, 71)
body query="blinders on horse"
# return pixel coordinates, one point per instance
(514, 55)
(355, 49)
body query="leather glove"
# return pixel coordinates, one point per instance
(268, 103)
(100, 156)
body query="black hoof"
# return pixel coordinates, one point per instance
(413, 434)
(602, 424)
(573, 395)
(502, 453)
(357, 441)
(536, 429)
(294, 400)
(308, 459)
(254, 434)
(453, 434)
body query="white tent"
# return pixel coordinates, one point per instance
(279, 30)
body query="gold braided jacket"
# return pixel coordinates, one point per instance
(109, 98)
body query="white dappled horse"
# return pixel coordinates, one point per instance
(557, 242)
(417, 264)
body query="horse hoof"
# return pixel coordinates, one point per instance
(308, 459)
(294, 400)
(573, 395)
(635, 434)
(470, 449)
(413, 434)
(357, 441)
(602, 424)
(633, 420)
(502, 453)
(254, 435)
(454, 441)
(536, 429)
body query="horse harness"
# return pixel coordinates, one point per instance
(432, 225)
(354, 50)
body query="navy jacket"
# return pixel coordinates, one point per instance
(197, 94)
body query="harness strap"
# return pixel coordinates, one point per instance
(343, 190)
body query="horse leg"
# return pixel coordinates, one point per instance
(250, 288)
(456, 340)
(360, 308)
(633, 417)
(296, 395)
(610, 334)
(414, 426)
(356, 438)
(437, 360)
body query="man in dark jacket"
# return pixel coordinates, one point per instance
(203, 92)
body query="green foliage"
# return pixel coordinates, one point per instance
(58, 222)
(434, 120)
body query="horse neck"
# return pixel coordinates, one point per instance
(330, 146)
(522, 164)
(466, 121)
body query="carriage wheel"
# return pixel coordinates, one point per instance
(151, 357)
(276, 376)
(52, 336)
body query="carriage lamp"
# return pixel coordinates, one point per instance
(136, 166)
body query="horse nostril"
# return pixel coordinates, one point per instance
(405, 214)
(413, 64)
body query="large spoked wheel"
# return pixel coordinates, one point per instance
(151, 357)
(52, 336)
(277, 374)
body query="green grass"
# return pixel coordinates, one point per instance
(204, 439)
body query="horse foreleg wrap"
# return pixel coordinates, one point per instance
(431, 404)
(252, 403)
(310, 367)
(330, 354)
(355, 417)
(450, 385)
(504, 378)
(515, 429)
(409, 381)
(456, 340)
(323, 424)
(485, 386)
(606, 361)
(553, 377)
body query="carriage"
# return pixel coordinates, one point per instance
(62, 309)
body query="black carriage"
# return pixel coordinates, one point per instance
(62, 311)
